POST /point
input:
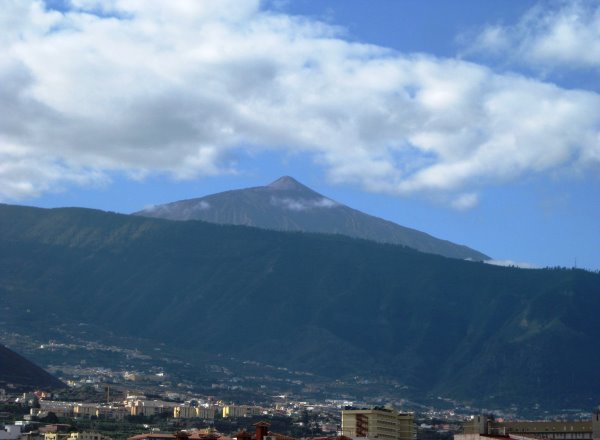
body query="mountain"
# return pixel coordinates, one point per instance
(21, 374)
(287, 205)
(327, 304)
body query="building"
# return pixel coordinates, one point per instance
(10, 432)
(55, 428)
(150, 408)
(112, 412)
(193, 412)
(196, 434)
(32, 435)
(85, 410)
(184, 412)
(241, 411)
(482, 426)
(55, 436)
(87, 436)
(381, 423)
(60, 409)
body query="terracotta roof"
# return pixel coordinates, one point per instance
(206, 434)
(279, 436)
(155, 436)
(200, 436)
(338, 437)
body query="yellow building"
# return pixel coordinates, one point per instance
(184, 412)
(205, 413)
(241, 411)
(150, 407)
(193, 412)
(379, 423)
(55, 436)
(75, 436)
(85, 410)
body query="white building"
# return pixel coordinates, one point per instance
(10, 432)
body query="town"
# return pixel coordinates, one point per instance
(57, 416)
(120, 393)
(93, 412)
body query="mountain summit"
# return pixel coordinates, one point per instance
(288, 183)
(288, 205)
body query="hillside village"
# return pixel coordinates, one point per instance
(143, 395)
(48, 416)
(42, 415)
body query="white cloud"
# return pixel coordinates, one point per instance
(510, 263)
(567, 37)
(186, 211)
(301, 204)
(180, 87)
(25, 174)
(465, 201)
(203, 205)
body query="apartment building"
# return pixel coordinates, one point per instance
(241, 411)
(482, 426)
(380, 423)
(85, 410)
(150, 407)
(193, 412)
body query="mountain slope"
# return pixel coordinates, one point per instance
(22, 374)
(323, 303)
(287, 205)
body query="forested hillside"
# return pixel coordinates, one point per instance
(329, 304)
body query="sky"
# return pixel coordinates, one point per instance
(477, 122)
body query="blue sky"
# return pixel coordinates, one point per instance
(477, 122)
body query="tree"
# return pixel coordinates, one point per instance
(50, 418)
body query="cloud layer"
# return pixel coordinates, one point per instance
(181, 87)
(567, 37)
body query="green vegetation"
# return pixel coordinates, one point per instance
(9, 412)
(323, 303)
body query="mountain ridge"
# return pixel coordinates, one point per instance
(329, 304)
(21, 373)
(287, 205)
